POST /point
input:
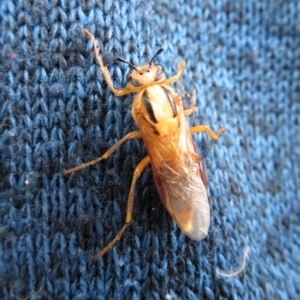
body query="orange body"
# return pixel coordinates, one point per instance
(176, 165)
(179, 176)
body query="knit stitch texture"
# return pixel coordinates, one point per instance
(243, 59)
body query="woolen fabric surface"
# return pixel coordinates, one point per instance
(243, 59)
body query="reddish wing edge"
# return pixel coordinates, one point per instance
(183, 192)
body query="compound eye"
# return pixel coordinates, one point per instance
(159, 67)
(159, 72)
(135, 82)
(128, 77)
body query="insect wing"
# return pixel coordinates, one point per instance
(184, 195)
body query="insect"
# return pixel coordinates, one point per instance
(178, 172)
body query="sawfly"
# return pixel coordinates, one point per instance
(177, 168)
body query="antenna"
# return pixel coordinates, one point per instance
(127, 62)
(160, 50)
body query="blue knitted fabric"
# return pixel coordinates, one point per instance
(243, 58)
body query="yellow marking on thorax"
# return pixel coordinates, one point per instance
(160, 103)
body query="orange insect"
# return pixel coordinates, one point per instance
(178, 172)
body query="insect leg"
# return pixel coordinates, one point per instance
(192, 108)
(137, 173)
(104, 69)
(179, 74)
(183, 91)
(131, 135)
(210, 133)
